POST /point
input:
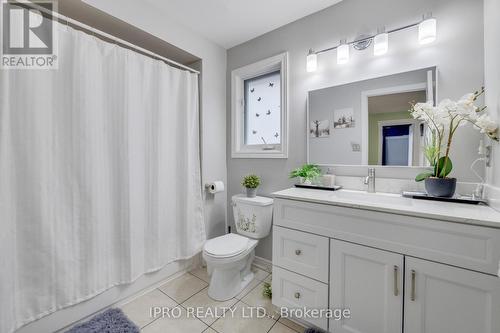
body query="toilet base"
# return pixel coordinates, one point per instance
(228, 279)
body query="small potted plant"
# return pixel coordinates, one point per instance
(251, 182)
(443, 121)
(267, 290)
(306, 174)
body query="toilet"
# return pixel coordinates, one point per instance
(229, 257)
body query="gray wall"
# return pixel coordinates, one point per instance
(458, 54)
(492, 79)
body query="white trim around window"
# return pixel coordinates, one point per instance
(238, 77)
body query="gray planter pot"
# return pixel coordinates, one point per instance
(251, 192)
(440, 187)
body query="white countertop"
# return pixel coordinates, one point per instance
(393, 203)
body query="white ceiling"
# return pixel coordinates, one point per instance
(232, 22)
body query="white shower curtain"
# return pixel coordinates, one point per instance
(99, 175)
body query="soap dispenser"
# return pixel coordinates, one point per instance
(328, 179)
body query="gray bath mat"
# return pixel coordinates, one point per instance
(109, 321)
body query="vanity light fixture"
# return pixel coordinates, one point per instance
(381, 43)
(312, 61)
(426, 35)
(343, 52)
(427, 30)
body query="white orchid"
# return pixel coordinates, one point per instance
(466, 107)
(447, 105)
(469, 98)
(486, 125)
(427, 113)
(449, 115)
(443, 121)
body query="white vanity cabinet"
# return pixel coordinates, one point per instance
(300, 271)
(396, 271)
(441, 299)
(437, 298)
(369, 283)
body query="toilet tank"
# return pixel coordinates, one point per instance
(252, 216)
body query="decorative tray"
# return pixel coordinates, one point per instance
(457, 199)
(320, 187)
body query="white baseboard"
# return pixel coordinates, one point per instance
(263, 264)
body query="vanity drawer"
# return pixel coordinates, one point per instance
(468, 246)
(294, 291)
(301, 252)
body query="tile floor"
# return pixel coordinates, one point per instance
(190, 291)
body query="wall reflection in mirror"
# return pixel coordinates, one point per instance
(368, 122)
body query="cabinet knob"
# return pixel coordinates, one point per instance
(297, 295)
(298, 252)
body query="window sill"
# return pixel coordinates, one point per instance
(259, 154)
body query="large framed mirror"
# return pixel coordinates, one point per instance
(368, 122)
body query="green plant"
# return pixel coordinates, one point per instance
(251, 181)
(267, 290)
(441, 165)
(307, 171)
(441, 169)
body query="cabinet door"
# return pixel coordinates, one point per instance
(369, 282)
(445, 299)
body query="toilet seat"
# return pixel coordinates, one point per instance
(226, 246)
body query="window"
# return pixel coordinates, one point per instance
(262, 109)
(259, 109)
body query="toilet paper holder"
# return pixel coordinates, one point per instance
(215, 187)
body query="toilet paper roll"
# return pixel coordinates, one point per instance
(216, 187)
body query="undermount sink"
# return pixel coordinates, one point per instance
(361, 197)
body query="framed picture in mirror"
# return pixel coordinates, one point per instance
(343, 118)
(319, 128)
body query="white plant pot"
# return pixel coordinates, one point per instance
(305, 181)
(251, 192)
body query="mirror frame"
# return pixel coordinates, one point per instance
(346, 169)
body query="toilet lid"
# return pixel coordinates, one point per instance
(226, 246)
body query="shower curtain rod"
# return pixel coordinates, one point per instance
(95, 31)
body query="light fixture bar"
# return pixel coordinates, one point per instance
(369, 37)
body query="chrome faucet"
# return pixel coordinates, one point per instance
(370, 180)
